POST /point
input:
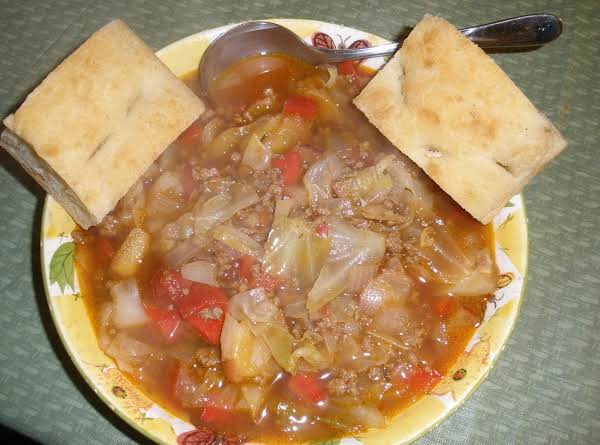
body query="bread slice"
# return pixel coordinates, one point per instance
(97, 122)
(444, 103)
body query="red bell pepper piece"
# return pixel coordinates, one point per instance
(291, 167)
(168, 286)
(166, 320)
(347, 68)
(246, 263)
(203, 308)
(192, 133)
(308, 389)
(302, 106)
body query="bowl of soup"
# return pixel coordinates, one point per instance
(302, 280)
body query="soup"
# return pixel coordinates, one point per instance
(282, 273)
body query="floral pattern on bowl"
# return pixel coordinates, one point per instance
(77, 333)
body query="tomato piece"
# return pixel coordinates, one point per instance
(192, 133)
(104, 250)
(246, 263)
(308, 389)
(444, 306)
(203, 308)
(417, 380)
(302, 106)
(266, 281)
(168, 286)
(212, 415)
(322, 229)
(291, 167)
(166, 320)
(347, 67)
(187, 181)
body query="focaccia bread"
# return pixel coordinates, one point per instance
(99, 120)
(445, 103)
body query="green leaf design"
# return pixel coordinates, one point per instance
(327, 442)
(507, 220)
(62, 270)
(509, 204)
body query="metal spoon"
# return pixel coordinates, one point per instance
(258, 38)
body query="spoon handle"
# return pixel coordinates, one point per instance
(517, 32)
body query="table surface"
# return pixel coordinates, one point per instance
(545, 387)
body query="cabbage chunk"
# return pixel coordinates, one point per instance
(294, 251)
(350, 247)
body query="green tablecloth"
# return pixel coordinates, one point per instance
(545, 387)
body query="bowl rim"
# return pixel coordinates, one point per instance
(76, 360)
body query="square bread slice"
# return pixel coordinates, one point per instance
(445, 104)
(98, 121)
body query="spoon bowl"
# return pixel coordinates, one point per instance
(261, 37)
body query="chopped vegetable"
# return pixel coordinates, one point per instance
(244, 355)
(167, 321)
(255, 397)
(204, 308)
(256, 155)
(165, 196)
(289, 131)
(333, 73)
(290, 166)
(389, 288)
(238, 240)
(130, 255)
(347, 67)
(369, 185)
(223, 144)
(128, 308)
(266, 322)
(246, 263)
(350, 247)
(294, 251)
(128, 352)
(168, 286)
(441, 255)
(301, 106)
(320, 176)
(222, 207)
(368, 416)
(200, 272)
(307, 389)
(254, 306)
(308, 357)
